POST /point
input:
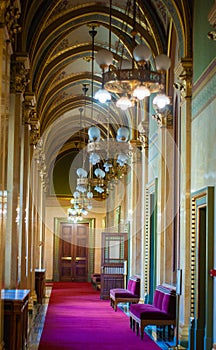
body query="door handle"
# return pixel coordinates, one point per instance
(69, 258)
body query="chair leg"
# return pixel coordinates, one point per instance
(131, 322)
(142, 327)
(137, 328)
(115, 305)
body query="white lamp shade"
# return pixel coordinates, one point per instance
(141, 92)
(142, 53)
(84, 211)
(162, 62)
(124, 103)
(94, 133)
(94, 158)
(122, 159)
(76, 194)
(89, 195)
(107, 166)
(82, 173)
(103, 95)
(99, 173)
(122, 134)
(104, 58)
(161, 100)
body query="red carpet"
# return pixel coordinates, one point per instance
(78, 319)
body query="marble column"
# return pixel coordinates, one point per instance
(12, 242)
(165, 240)
(184, 74)
(4, 102)
(144, 138)
(132, 196)
(28, 112)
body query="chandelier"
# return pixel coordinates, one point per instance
(108, 161)
(108, 157)
(133, 79)
(80, 204)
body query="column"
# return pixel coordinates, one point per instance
(28, 114)
(4, 102)
(144, 138)
(34, 126)
(13, 232)
(184, 73)
(166, 151)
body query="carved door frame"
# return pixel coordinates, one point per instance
(91, 248)
(202, 259)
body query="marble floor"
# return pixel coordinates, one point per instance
(37, 318)
(36, 321)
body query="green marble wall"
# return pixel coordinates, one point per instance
(204, 49)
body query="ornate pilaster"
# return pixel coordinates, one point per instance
(144, 138)
(28, 106)
(184, 85)
(18, 83)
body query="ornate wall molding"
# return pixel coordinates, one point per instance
(11, 18)
(184, 73)
(212, 21)
(30, 117)
(19, 73)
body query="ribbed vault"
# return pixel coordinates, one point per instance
(56, 36)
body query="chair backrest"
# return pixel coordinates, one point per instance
(165, 300)
(134, 285)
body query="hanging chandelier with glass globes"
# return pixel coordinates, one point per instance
(133, 79)
(80, 204)
(109, 157)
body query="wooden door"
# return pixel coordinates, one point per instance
(73, 252)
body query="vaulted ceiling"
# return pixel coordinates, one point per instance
(55, 34)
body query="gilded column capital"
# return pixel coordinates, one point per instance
(144, 133)
(28, 108)
(164, 117)
(34, 127)
(184, 72)
(10, 16)
(30, 117)
(19, 73)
